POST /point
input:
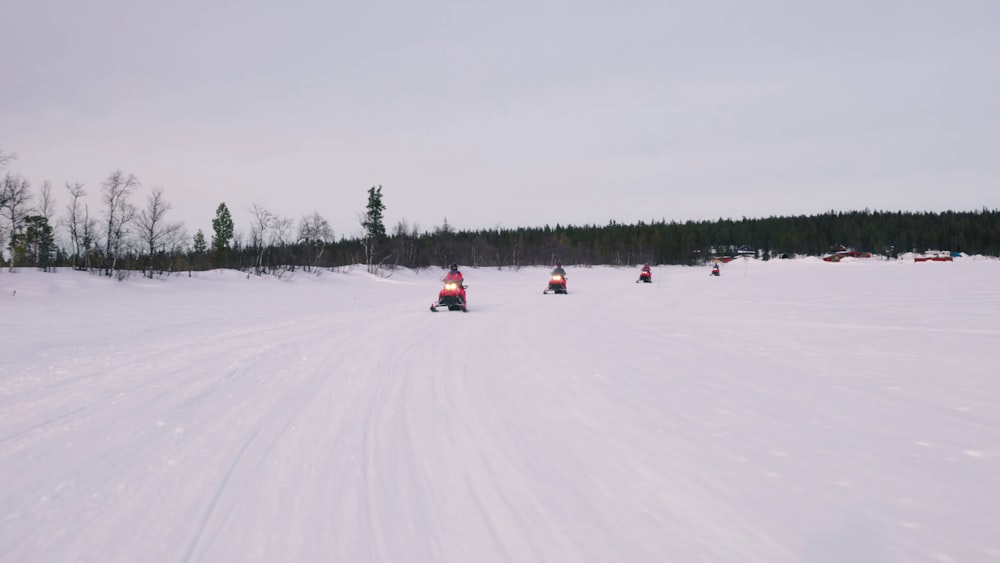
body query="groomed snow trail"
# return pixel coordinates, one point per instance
(786, 411)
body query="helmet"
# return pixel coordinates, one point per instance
(558, 264)
(453, 266)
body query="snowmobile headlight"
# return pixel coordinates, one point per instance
(556, 278)
(451, 285)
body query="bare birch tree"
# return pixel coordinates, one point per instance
(155, 234)
(74, 221)
(46, 202)
(3, 205)
(89, 235)
(315, 233)
(281, 232)
(262, 222)
(119, 215)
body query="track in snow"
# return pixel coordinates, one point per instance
(782, 412)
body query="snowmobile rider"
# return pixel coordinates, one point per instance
(454, 275)
(645, 274)
(558, 270)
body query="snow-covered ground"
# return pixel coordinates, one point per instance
(789, 410)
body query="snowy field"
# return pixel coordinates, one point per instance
(786, 411)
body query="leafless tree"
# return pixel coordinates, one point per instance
(15, 193)
(154, 231)
(281, 232)
(119, 215)
(263, 220)
(46, 203)
(75, 220)
(177, 241)
(315, 233)
(4, 196)
(269, 232)
(88, 240)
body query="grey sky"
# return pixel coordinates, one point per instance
(509, 112)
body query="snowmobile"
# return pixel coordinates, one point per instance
(645, 276)
(715, 270)
(557, 284)
(452, 296)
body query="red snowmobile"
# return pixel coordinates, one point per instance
(452, 296)
(645, 276)
(557, 284)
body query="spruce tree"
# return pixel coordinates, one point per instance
(222, 225)
(199, 242)
(374, 227)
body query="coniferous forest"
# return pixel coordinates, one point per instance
(122, 239)
(883, 233)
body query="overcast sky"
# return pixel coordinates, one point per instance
(512, 112)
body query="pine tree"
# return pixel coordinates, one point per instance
(36, 245)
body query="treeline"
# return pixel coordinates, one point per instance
(118, 237)
(885, 233)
